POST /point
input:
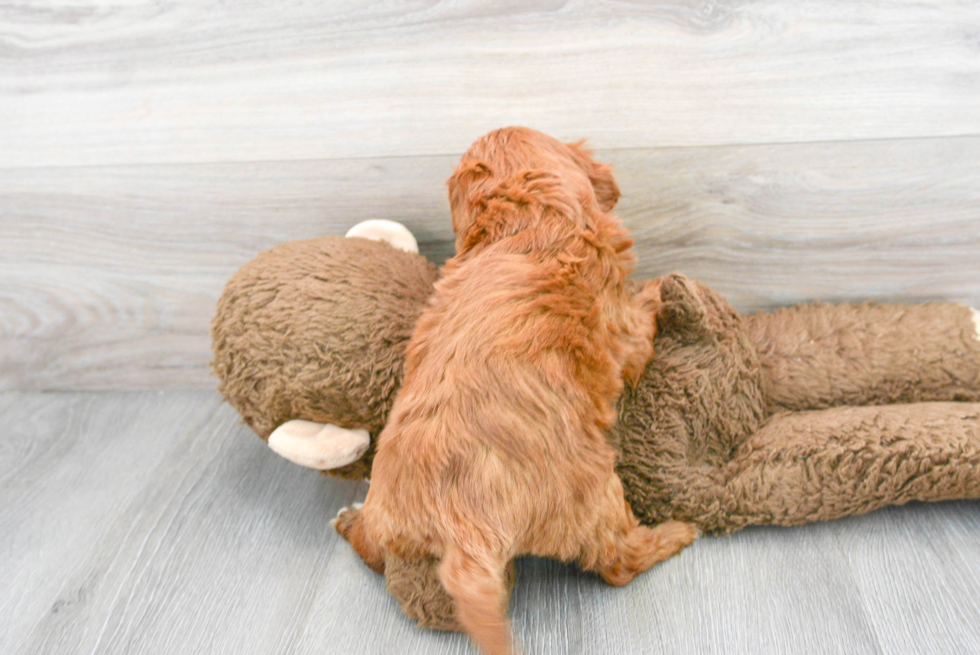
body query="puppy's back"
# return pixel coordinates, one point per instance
(502, 413)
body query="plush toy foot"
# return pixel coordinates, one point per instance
(320, 446)
(382, 230)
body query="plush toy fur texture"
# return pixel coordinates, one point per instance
(821, 355)
(805, 414)
(705, 432)
(317, 330)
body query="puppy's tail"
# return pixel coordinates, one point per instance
(476, 584)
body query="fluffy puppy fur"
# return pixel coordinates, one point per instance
(495, 446)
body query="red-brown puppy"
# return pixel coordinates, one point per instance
(495, 446)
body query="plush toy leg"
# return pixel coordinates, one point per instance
(383, 230)
(320, 446)
(816, 356)
(815, 466)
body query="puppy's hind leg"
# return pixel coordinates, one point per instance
(350, 525)
(479, 591)
(631, 548)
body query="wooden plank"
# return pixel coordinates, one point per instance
(70, 465)
(97, 83)
(82, 328)
(915, 568)
(763, 590)
(218, 551)
(775, 225)
(150, 522)
(108, 276)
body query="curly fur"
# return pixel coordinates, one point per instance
(496, 444)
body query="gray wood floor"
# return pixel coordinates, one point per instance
(779, 151)
(151, 522)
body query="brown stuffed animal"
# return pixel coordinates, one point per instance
(805, 414)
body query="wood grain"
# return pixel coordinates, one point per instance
(773, 225)
(777, 151)
(167, 541)
(150, 523)
(93, 83)
(71, 464)
(765, 590)
(109, 275)
(920, 547)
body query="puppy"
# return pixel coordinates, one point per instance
(495, 446)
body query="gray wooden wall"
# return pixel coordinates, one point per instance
(780, 151)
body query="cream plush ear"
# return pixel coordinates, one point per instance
(976, 321)
(320, 446)
(383, 230)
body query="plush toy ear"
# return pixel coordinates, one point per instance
(682, 309)
(379, 229)
(320, 446)
(606, 190)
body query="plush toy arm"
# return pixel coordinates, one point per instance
(816, 356)
(802, 467)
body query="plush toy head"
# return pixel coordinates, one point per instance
(316, 330)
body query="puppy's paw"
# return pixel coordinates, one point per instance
(631, 373)
(648, 297)
(349, 524)
(345, 519)
(678, 532)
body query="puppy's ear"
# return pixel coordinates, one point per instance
(463, 178)
(603, 182)
(460, 186)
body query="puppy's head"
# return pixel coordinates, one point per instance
(517, 167)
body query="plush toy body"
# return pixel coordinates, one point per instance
(807, 414)
(804, 414)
